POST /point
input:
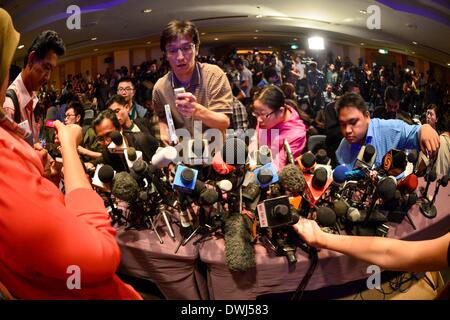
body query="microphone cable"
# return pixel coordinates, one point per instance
(298, 294)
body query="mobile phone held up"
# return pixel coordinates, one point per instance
(50, 123)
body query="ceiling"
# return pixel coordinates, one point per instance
(418, 27)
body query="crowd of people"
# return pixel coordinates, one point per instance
(288, 93)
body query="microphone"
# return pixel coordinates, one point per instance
(164, 156)
(326, 217)
(239, 251)
(125, 187)
(292, 179)
(208, 197)
(366, 157)
(306, 161)
(339, 174)
(316, 184)
(185, 179)
(288, 150)
(264, 155)
(386, 188)
(354, 215)
(340, 208)
(117, 144)
(408, 184)
(266, 175)
(131, 155)
(322, 157)
(427, 208)
(103, 177)
(430, 176)
(225, 185)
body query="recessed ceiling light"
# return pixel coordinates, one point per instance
(295, 39)
(216, 39)
(363, 11)
(255, 38)
(94, 38)
(259, 16)
(256, 30)
(95, 49)
(148, 42)
(146, 10)
(414, 42)
(203, 33)
(448, 64)
(362, 43)
(20, 47)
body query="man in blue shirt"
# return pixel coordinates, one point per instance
(358, 129)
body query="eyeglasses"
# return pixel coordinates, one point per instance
(106, 138)
(69, 115)
(185, 50)
(128, 89)
(264, 116)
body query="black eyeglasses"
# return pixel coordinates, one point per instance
(264, 116)
(186, 49)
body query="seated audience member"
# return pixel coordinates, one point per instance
(443, 158)
(358, 129)
(270, 77)
(391, 109)
(44, 234)
(278, 121)
(387, 253)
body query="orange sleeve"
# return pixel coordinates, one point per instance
(41, 235)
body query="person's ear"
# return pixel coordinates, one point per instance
(31, 57)
(78, 118)
(366, 114)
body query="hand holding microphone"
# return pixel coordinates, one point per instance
(310, 232)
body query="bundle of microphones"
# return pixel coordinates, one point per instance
(207, 194)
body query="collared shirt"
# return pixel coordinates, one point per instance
(384, 135)
(208, 84)
(27, 104)
(239, 119)
(137, 111)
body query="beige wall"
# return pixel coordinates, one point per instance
(86, 64)
(101, 65)
(121, 58)
(137, 56)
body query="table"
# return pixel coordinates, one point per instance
(272, 274)
(178, 275)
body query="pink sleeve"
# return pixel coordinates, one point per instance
(42, 236)
(8, 106)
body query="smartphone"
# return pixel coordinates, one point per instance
(176, 91)
(50, 123)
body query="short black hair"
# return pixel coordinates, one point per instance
(351, 100)
(117, 98)
(106, 114)
(48, 40)
(176, 28)
(77, 108)
(126, 79)
(348, 86)
(270, 72)
(392, 93)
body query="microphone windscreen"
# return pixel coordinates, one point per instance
(225, 185)
(106, 173)
(234, 152)
(369, 151)
(308, 160)
(139, 166)
(341, 208)
(131, 153)
(208, 196)
(320, 178)
(264, 155)
(354, 215)
(292, 179)
(409, 184)
(339, 173)
(164, 156)
(264, 175)
(116, 137)
(444, 180)
(125, 187)
(399, 160)
(322, 157)
(386, 188)
(239, 252)
(326, 217)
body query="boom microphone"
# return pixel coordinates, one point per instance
(292, 179)
(239, 251)
(125, 187)
(164, 156)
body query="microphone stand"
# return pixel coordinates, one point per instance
(428, 208)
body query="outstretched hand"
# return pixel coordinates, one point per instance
(310, 232)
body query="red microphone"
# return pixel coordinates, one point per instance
(317, 184)
(408, 184)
